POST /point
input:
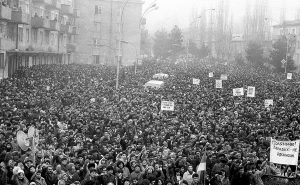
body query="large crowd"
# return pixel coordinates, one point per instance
(92, 134)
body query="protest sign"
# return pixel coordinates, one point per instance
(238, 92)
(210, 75)
(284, 152)
(48, 88)
(268, 103)
(251, 92)
(196, 81)
(289, 76)
(219, 84)
(167, 105)
(92, 100)
(223, 77)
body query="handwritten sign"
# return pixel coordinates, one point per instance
(238, 92)
(251, 92)
(196, 81)
(289, 76)
(284, 152)
(218, 84)
(167, 105)
(268, 103)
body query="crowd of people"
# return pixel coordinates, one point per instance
(92, 134)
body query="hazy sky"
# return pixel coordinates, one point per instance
(179, 12)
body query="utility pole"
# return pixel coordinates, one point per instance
(110, 30)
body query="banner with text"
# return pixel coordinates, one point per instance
(284, 152)
(167, 105)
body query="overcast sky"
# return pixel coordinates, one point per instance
(179, 12)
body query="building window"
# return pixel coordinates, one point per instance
(96, 59)
(20, 35)
(47, 37)
(41, 37)
(27, 35)
(97, 27)
(298, 43)
(98, 9)
(52, 39)
(35, 35)
(2, 61)
(96, 42)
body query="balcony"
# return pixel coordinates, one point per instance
(67, 9)
(71, 47)
(40, 22)
(54, 25)
(20, 18)
(5, 13)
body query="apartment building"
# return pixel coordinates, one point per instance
(100, 21)
(36, 32)
(291, 29)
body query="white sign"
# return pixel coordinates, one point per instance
(210, 75)
(284, 152)
(251, 92)
(238, 92)
(289, 76)
(48, 88)
(223, 77)
(268, 103)
(196, 81)
(218, 84)
(167, 105)
(283, 61)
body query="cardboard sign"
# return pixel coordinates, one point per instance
(92, 100)
(238, 92)
(48, 88)
(219, 84)
(224, 77)
(167, 105)
(251, 92)
(289, 76)
(196, 81)
(268, 103)
(210, 75)
(284, 152)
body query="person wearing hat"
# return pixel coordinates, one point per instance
(20, 178)
(109, 176)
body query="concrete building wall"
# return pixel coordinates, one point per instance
(100, 22)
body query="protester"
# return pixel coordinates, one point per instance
(90, 133)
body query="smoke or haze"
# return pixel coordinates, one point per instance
(179, 12)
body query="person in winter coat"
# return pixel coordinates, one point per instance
(20, 179)
(240, 177)
(49, 176)
(38, 179)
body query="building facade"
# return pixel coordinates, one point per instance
(291, 29)
(37, 29)
(103, 23)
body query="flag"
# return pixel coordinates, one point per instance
(202, 165)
